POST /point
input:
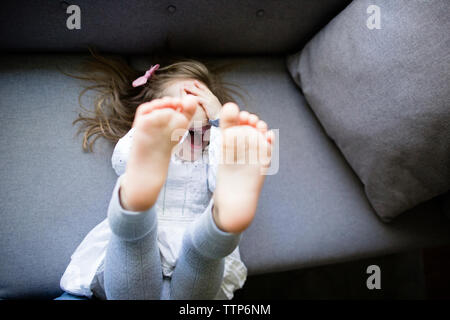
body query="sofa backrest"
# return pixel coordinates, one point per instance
(219, 27)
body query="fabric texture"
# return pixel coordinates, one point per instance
(222, 27)
(200, 270)
(132, 263)
(383, 96)
(52, 193)
(186, 194)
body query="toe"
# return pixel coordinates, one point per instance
(253, 120)
(243, 117)
(261, 126)
(229, 115)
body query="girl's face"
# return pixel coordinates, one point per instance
(175, 88)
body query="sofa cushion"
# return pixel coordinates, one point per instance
(52, 193)
(312, 212)
(195, 26)
(383, 96)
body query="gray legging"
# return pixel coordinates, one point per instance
(133, 265)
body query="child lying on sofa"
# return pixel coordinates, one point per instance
(190, 174)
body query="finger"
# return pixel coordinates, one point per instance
(200, 85)
(202, 103)
(190, 88)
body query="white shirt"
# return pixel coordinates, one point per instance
(185, 195)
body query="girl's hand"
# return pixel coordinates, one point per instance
(207, 100)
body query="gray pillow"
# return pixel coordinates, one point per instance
(383, 95)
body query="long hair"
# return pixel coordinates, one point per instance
(116, 100)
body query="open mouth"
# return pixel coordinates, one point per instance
(196, 136)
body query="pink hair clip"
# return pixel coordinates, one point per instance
(143, 79)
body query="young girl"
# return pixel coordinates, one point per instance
(189, 176)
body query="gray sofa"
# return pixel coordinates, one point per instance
(312, 212)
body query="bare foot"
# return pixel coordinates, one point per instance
(246, 154)
(146, 171)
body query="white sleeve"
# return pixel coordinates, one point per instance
(121, 153)
(214, 154)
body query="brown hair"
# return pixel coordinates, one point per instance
(116, 99)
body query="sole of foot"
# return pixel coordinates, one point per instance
(246, 155)
(158, 126)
